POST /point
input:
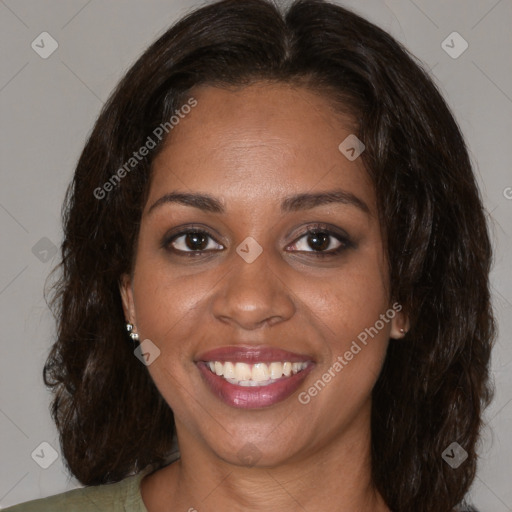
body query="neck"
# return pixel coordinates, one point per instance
(335, 477)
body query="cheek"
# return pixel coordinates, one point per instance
(354, 346)
(347, 310)
(167, 309)
(351, 301)
(165, 303)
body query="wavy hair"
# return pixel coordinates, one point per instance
(434, 383)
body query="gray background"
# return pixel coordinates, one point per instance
(48, 106)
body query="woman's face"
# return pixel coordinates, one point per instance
(227, 277)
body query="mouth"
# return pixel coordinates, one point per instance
(253, 377)
(257, 374)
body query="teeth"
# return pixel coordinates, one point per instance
(219, 368)
(260, 372)
(229, 371)
(242, 371)
(276, 370)
(257, 374)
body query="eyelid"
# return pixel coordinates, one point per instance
(340, 235)
(180, 231)
(318, 227)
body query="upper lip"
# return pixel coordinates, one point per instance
(251, 354)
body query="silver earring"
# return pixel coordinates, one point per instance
(133, 335)
(402, 330)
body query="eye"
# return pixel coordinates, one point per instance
(321, 241)
(191, 241)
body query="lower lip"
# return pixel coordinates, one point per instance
(252, 397)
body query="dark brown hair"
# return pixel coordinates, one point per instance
(434, 383)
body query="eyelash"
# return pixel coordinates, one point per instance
(314, 229)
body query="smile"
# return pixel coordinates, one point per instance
(252, 377)
(257, 374)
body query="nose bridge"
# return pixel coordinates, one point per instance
(251, 293)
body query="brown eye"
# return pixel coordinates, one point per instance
(196, 241)
(192, 241)
(320, 241)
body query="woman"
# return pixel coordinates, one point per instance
(279, 211)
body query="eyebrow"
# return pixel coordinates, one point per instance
(309, 200)
(305, 201)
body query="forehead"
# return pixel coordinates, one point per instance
(260, 142)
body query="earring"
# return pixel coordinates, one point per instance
(402, 330)
(133, 335)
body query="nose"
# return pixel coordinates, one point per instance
(252, 295)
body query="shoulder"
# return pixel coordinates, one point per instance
(123, 496)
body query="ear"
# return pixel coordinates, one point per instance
(125, 288)
(400, 324)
